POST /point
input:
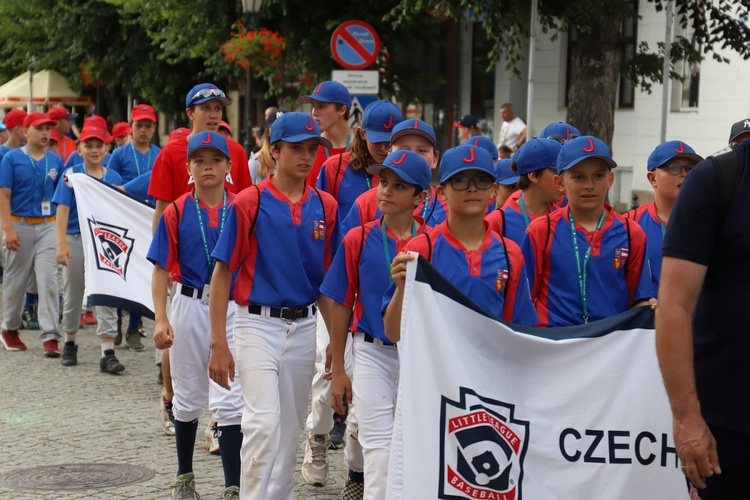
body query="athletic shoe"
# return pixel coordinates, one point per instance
(338, 432)
(231, 493)
(51, 348)
(315, 464)
(353, 490)
(29, 320)
(108, 363)
(12, 341)
(88, 318)
(69, 354)
(118, 337)
(141, 330)
(167, 417)
(184, 487)
(212, 439)
(133, 341)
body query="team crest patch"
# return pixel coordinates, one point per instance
(319, 230)
(501, 279)
(112, 247)
(621, 256)
(482, 447)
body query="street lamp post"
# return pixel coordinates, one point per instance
(251, 8)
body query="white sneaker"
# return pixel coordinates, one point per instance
(212, 439)
(167, 417)
(315, 465)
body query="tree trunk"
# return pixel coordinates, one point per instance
(595, 61)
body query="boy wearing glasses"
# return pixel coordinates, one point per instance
(486, 267)
(586, 262)
(668, 166)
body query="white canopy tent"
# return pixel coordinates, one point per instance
(48, 87)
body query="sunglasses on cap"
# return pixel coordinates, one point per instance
(677, 168)
(561, 139)
(482, 183)
(203, 93)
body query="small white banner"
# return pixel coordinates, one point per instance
(358, 82)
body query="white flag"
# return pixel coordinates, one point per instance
(493, 412)
(116, 235)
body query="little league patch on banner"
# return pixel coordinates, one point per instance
(116, 235)
(494, 411)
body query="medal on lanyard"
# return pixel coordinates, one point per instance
(582, 268)
(386, 248)
(211, 261)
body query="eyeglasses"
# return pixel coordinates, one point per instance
(561, 139)
(677, 168)
(209, 93)
(462, 183)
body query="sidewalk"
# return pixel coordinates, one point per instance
(52, 415)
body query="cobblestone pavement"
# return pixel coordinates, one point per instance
(53, 415)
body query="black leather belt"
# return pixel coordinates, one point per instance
(189, 291)
(369, 338)
(287, 313)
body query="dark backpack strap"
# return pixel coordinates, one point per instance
(335, 187)
(630, 249)
(729, 165)
(322, 205)
(502, 216)
(429, 248)
(178, 214)
(255, 218)
(545, 260)
(507, 257)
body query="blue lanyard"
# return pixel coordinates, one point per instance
(387, 250)
(135, 158)
(524, 213)
(368, 178)
(425, 206)
(346, 147)
(41, 183)
(583, 268)
(211, 262)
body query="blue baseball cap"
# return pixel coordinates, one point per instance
(414, 127)
(668, 151)
(204, 92)
(462, 158)
(329, 91)
(3, 128)
(560, 132)
(581, 148)
(504, 173)
(408, 165)
(537, 154)
(484, 142)
(379, 120)
(296, 127)
(208, 139)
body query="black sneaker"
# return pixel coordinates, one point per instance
(338, 432)
(69, 354)
(108, 363)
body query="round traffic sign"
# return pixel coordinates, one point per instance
(355, 45)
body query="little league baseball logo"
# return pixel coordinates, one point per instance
(112, 247)
(482, 449)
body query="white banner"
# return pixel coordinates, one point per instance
(116, 235)
(486, 411)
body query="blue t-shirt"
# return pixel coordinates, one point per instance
(31, 181)
(138, 188)
(131, 163)
(64, 194)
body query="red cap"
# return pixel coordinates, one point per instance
(54, 136)
(178, 133)
(143, 112)
(121, 129)
(97, 120)
(14, 118)
(94, 132)
(58, 112)
(226, 126)
(37, 119)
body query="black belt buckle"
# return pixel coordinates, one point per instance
(292, 313)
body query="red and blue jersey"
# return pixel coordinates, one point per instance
(617, 275)
(365, 210)
(496, 222)
(647, 217)
(31, 181)
(515, 223)
(178, 245)
(75, 158)
(64, 194)
(131, 163)
(362, 257)
(344, 183)
(324, 154)
(283, 261)
(493, 276)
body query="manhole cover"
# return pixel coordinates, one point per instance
(76, 477)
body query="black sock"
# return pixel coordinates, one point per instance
(184, 437)
(357, 477)
(230, 442)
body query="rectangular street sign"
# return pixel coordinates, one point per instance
(358, 82)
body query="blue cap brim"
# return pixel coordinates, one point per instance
(375, 136)
(376, 169)
(491, 172)
(509, 180)
(208, 146)
(224, 101)
(696, 158)
(311, 98)
(303, 137)
(609, 161)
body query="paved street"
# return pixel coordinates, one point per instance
(52, 415)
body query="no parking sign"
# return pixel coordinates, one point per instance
(355, 45)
